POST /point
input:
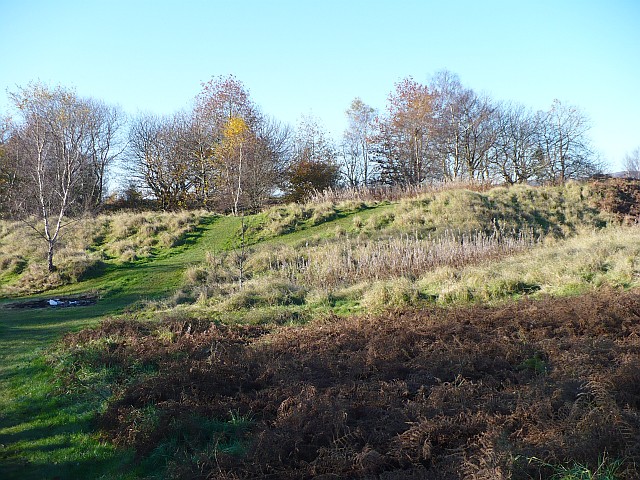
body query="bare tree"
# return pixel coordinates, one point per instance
(446, 129)
(632, 163)
(516, 156)
(160, 160)
(564, 144)
(54, 148)
(201, 143)
(8, 167)
(357, 144)
(463, 127)
(104, 144)
(478, 133)
(223, 155)
(268, 163)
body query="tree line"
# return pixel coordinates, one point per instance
(226, 154)
(58, 149)
(444, 131)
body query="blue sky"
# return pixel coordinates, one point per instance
(314, 57)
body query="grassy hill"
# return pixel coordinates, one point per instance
(226, 335)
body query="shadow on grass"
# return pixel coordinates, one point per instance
(45, 433)
(191, 237)
(112, 467)
(98, 269)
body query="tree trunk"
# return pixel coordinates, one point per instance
(239, 189)
(52, 267)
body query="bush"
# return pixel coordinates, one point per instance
(389, 295)
(265, 292)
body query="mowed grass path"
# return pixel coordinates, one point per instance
(47, 435)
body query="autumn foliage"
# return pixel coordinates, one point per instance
(308, 177)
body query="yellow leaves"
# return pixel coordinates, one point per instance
(235, 130)
(235, 134)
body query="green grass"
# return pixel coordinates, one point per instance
(44, 434)
(605, 469)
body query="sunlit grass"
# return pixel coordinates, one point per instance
(45, 431)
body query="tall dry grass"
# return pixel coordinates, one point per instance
(392, 193)
(133, 236)
(591, 260)
(452, 268)
(350, 261)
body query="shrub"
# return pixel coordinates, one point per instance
(263, 293)
(391, 294)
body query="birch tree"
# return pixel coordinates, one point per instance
(357, 144)
(232, 151)
(53, 152)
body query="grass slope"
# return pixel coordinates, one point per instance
(137, 266)
(42, 433)
(45, 433)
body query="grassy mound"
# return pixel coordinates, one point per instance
(85, 246)
(222, 381)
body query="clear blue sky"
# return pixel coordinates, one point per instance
(299, 57)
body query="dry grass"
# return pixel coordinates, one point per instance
(392, 193)
(344, 263)
(288, 218)
(347, 261)
(592, 260)
(436, 394)
(314, 273)
(23, 256)
(379, 274)
(559, 211)
(134, 236)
